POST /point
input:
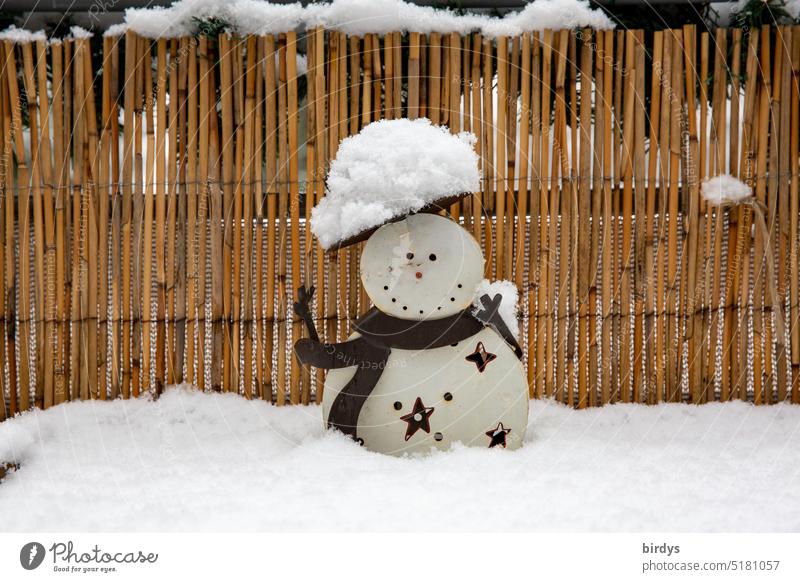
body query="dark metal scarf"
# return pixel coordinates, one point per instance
(380, 333)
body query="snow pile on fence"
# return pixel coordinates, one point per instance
(548, 14)
(355, 17)
(724, 189)
(392, 168)
(20, 35)
(192, 461)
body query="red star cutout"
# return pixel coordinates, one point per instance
(498, 435)
(480, 357)
(418, 418)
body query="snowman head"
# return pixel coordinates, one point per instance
(424, 266)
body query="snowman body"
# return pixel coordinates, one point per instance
(474, 391)
(454, 400)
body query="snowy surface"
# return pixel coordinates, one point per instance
(389, 169)
(194, 461)
(724, 189)
(508, 305)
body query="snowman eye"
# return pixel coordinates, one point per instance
(385, 287)
(409, 256)
(432, 257)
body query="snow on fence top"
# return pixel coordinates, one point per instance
(20, 35)
(392, 168)
(724, 189)
(355, 17)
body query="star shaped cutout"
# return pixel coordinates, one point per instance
(480, 357)
(498, 435)
(418, 418)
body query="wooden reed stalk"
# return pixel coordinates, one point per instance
(29, 85)
(249, 173)
(561, 209)
(271, 168)
(295, 389)
(228, 146)
(129, 87)
(319, 84)
(258, 199)
(6, 255)
(283, 227)
(500, 167)
(172, 243)
(185, 48)
(626, 280)
(192, 187)
(654, 372)
(154, 172)
(759, 243)
(105, 192)
(23, 205)
(235, 208)
(205, 100)
(477, 129)
(487, 155)
(413, 75)
(545, 212)
(717, 165)
(46, 171)
(511, 130)
(523, 162)
(583, 226)
(794, 258)
(640, 351)
(782, 216)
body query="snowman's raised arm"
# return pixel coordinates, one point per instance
(489, 314)
(330, 356)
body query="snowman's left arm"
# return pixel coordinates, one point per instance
(331, 356)
(489, 314)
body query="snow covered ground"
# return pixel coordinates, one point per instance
(194, 461)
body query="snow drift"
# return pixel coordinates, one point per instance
(192, 461)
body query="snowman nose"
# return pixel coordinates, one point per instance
(418, 275)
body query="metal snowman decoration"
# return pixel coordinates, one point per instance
(431, 363)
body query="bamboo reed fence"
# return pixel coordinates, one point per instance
(154, 210)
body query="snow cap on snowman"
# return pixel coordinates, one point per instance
(422, 271)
